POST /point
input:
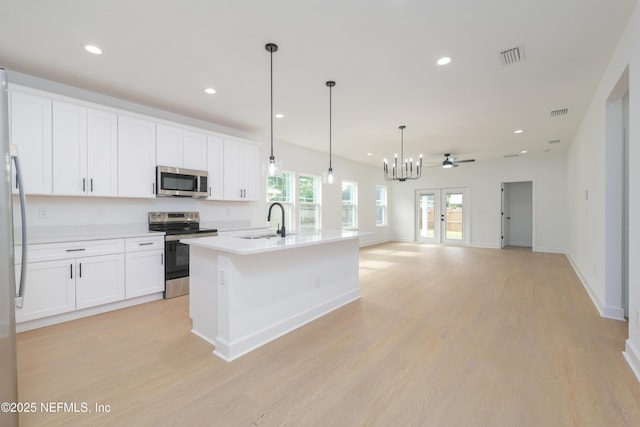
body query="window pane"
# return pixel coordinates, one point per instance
(349, 205)
(309, 217)
(347, 192)
(308, 191)
(453, 216)
(309, 197)
(381, 205)
(279, 188)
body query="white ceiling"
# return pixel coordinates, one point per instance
(381, 54)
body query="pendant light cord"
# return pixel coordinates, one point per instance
(330, 84)
(271, 56)
(330, 88)
(271, 47)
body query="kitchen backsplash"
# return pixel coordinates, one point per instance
(67, 211)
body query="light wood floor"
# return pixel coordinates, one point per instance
(443, 336)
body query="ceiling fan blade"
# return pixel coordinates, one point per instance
(465, 161)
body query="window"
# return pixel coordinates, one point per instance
(349, 204)
(279, 189)
(381, 205)
(309, 202)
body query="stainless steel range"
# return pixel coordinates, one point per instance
(177, 225)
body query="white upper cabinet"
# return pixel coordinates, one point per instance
(31, 132)
(136, 157)
(181, 148)
(240, 170)
(102, 153)
(215, 168)
(169, 145)
(85, 148)
(69, 149)
(195, 150)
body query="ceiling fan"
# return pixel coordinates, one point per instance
(452, 162)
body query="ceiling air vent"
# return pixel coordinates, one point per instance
(508, 156)
(561, 112)
(554, 141)
(511, 56)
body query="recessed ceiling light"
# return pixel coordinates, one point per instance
(523, 152)
(518, 131)
(279, 116)
(93, 49)
(369, 154)
(210, 90)
(444, 60)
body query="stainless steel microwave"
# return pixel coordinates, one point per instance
(180, 182)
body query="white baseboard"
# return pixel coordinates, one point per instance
(594, 299)
(632, 357)
(91, 311)
(550, 250)
(230, 351)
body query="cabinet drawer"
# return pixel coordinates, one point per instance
(68, 250)
(138, 244)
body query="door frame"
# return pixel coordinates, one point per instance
(439, 234)
(503, 227)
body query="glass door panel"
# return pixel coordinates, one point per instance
(428, 223)
(453, 224)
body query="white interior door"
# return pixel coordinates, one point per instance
(442, 216)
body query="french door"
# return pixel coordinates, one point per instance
(442, 216)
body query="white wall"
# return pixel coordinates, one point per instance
(586, 165)
(484, 178)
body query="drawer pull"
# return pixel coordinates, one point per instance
(145, 244)
(71, 270)
(75, 250)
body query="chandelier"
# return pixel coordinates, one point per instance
(405, 170)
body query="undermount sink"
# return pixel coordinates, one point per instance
(259, 236)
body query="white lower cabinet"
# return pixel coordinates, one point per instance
(99, 280)
(50, 290)
(145, 266)
(63, 277)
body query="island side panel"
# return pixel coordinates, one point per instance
(203, 301)
(270, 294)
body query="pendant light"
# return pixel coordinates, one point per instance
(272, 169)
(330, 177)
(406, 167)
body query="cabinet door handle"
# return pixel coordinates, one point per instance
(209, 191)
(71, 271)
(16, 181)
(80, 270)
(161, 259)
(91, 184)
(84, 182)
(75, 250)
(153, 188)
(145, 244)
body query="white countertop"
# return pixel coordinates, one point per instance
(240, 246)
(60, 234)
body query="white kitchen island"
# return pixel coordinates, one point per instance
(246, 292)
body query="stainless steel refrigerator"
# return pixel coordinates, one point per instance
(9, 298)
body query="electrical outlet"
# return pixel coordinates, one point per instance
(317, 282)
(42, 213)
(99, 212)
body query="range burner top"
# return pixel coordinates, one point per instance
(179, 225)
